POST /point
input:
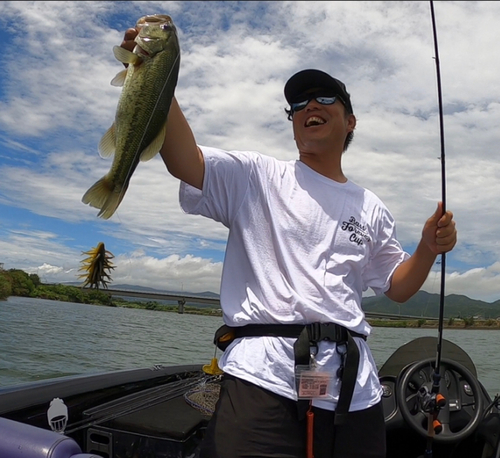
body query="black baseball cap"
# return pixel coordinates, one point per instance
(309, 79)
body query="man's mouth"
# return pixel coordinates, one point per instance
(314, 121)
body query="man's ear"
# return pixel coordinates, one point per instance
(351, 122)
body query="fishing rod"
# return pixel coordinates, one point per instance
(443, 190)
(437, 399)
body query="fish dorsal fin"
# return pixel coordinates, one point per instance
(119, 79)
(154, 147)
(107, 145)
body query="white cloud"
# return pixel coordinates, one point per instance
(56, 102)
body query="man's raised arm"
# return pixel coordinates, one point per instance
(180, 153)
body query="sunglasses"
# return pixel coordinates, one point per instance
(323, 100)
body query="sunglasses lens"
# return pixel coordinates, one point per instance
(326, 100)
(320, 99)
(299, 105)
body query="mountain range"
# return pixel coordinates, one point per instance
(422, 304)
(427, 305)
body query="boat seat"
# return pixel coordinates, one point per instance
(168, 428)
(19, 440)
(174, 419)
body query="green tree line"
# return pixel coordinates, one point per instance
(15, 282)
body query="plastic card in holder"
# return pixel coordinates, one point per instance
(311, 383)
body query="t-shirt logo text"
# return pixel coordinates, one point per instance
(359, 233)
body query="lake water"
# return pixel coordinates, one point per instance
(42, 339)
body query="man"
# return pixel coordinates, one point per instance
(304, 243)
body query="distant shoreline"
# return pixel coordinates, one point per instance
(465, 315)
(479, 325)
(403, 323)
(26, 287)
(453, 323)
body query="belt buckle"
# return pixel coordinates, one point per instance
(326, 331)
(339, 332)
(333, 332)
(314, 332)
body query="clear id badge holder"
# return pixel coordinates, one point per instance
(311, 383)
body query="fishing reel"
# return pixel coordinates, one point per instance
(431, 403)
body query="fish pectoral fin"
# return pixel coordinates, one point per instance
(128, 58)
(107, 145)
(154, 147)
(119, 79)
(125, 56)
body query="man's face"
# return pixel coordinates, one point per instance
(321, 124)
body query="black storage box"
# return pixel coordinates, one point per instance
(169, 429)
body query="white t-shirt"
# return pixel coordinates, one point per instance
(301, 249)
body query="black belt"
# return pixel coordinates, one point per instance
(307, 336)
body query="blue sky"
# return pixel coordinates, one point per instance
(56, 102)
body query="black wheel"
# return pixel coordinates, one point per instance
(466, 397)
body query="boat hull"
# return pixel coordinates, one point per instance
(149, 413)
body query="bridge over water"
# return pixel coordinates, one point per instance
(183, 299)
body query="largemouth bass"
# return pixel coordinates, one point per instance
(138, 130)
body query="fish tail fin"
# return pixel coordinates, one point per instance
(97, 195)
(102, 195)
(112, 203)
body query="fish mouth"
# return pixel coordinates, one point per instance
(153, 19)
(140, 51)
(153, 30)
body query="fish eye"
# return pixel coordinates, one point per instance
(166, 26)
